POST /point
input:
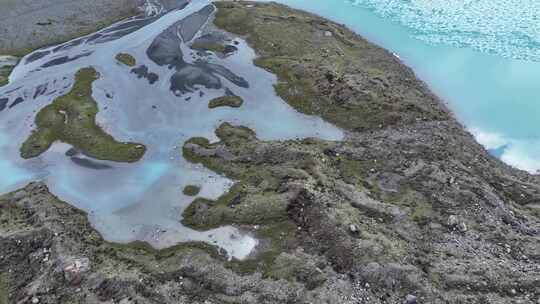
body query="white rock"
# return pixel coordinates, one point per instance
(462, 227)
(8, 61)
(410, 299)
(452, 221)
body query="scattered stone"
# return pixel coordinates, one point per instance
(455, 223)
(452, 221)
(354, 229)
(462, 227)
(74, 270)
(410, 299)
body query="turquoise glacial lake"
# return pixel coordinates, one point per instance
(481, 57)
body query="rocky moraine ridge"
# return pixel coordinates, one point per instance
(408, 208)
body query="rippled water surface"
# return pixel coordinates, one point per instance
(481, 56)
(144, 200)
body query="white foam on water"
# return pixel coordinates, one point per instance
(489, 140)
(144, 200)
(510, 28)
(482, 57)
(519, 153)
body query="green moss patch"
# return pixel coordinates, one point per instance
(188, 154)
(226, 101)
(71, 118)
(126, 59)
(238, 206)
(192, 190)
(4, 74)
(209, 46)
(253, 200)
(297, 267)
(341, 77)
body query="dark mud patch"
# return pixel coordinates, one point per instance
(89, 164)
(190, 25)
(40, 90)
(17, 101)
(36, 56)
(165, 50)
(64, 59)
(3, 103)
(143, 72)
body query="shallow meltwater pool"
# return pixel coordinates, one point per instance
(160, 103)
(482, 57)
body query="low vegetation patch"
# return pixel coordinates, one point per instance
(209, 46)
(4, 74)
(192, 190)
(226, 101)
(71, 118)
(326, 70)
(126, 59)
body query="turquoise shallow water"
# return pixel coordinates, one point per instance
(480, 56)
